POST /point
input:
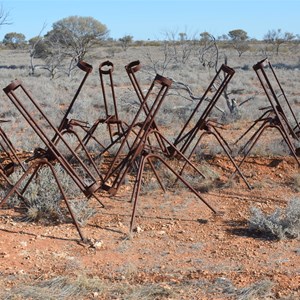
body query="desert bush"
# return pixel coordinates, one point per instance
(44, 199)
(86, 287)
(258, 290)
(82, 211)
(57, 288)
(280, 224)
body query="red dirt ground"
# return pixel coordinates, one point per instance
(177, 239)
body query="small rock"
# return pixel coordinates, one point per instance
(97, 244)
(161, 232)
(23, 244)
(4, 255)
(138, 229)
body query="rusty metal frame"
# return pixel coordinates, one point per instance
(65, 123)
(51, 154)
(186, 135)
(121, 166)
(124, 129)
(161, 145)
(204, 125)
(148, 158)
(132, 69)
(116, 127)
(70, 126)
(277, 115)
(140, 152)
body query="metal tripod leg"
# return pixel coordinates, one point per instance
(135, 195)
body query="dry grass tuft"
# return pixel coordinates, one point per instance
(280, 224)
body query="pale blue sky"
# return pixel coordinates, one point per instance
(150, 19)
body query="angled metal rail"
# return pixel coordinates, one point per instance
(132, 69)
(66, 123)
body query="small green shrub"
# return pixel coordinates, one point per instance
(280, 224)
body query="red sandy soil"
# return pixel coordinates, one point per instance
(178, 238)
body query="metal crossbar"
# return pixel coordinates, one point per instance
(279, 115)
(135, 130)
(82, 176)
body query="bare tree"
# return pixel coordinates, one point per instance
(208, 51)
(36, 49)
(176, 48)
(54, 61)
(159, 64)
(4, 17)
(179, 46)
(209, 56)
(126, 41)
(277, 38)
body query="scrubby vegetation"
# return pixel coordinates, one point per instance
(236, 109)
(280, 224)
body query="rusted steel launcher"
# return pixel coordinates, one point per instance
(279, 115)
(216, 88)
(82, 175)
(114, 124)
(202, 124)
(70, 126)
(131, 69)
(120, 167)
(136, 130)
(65, 123)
